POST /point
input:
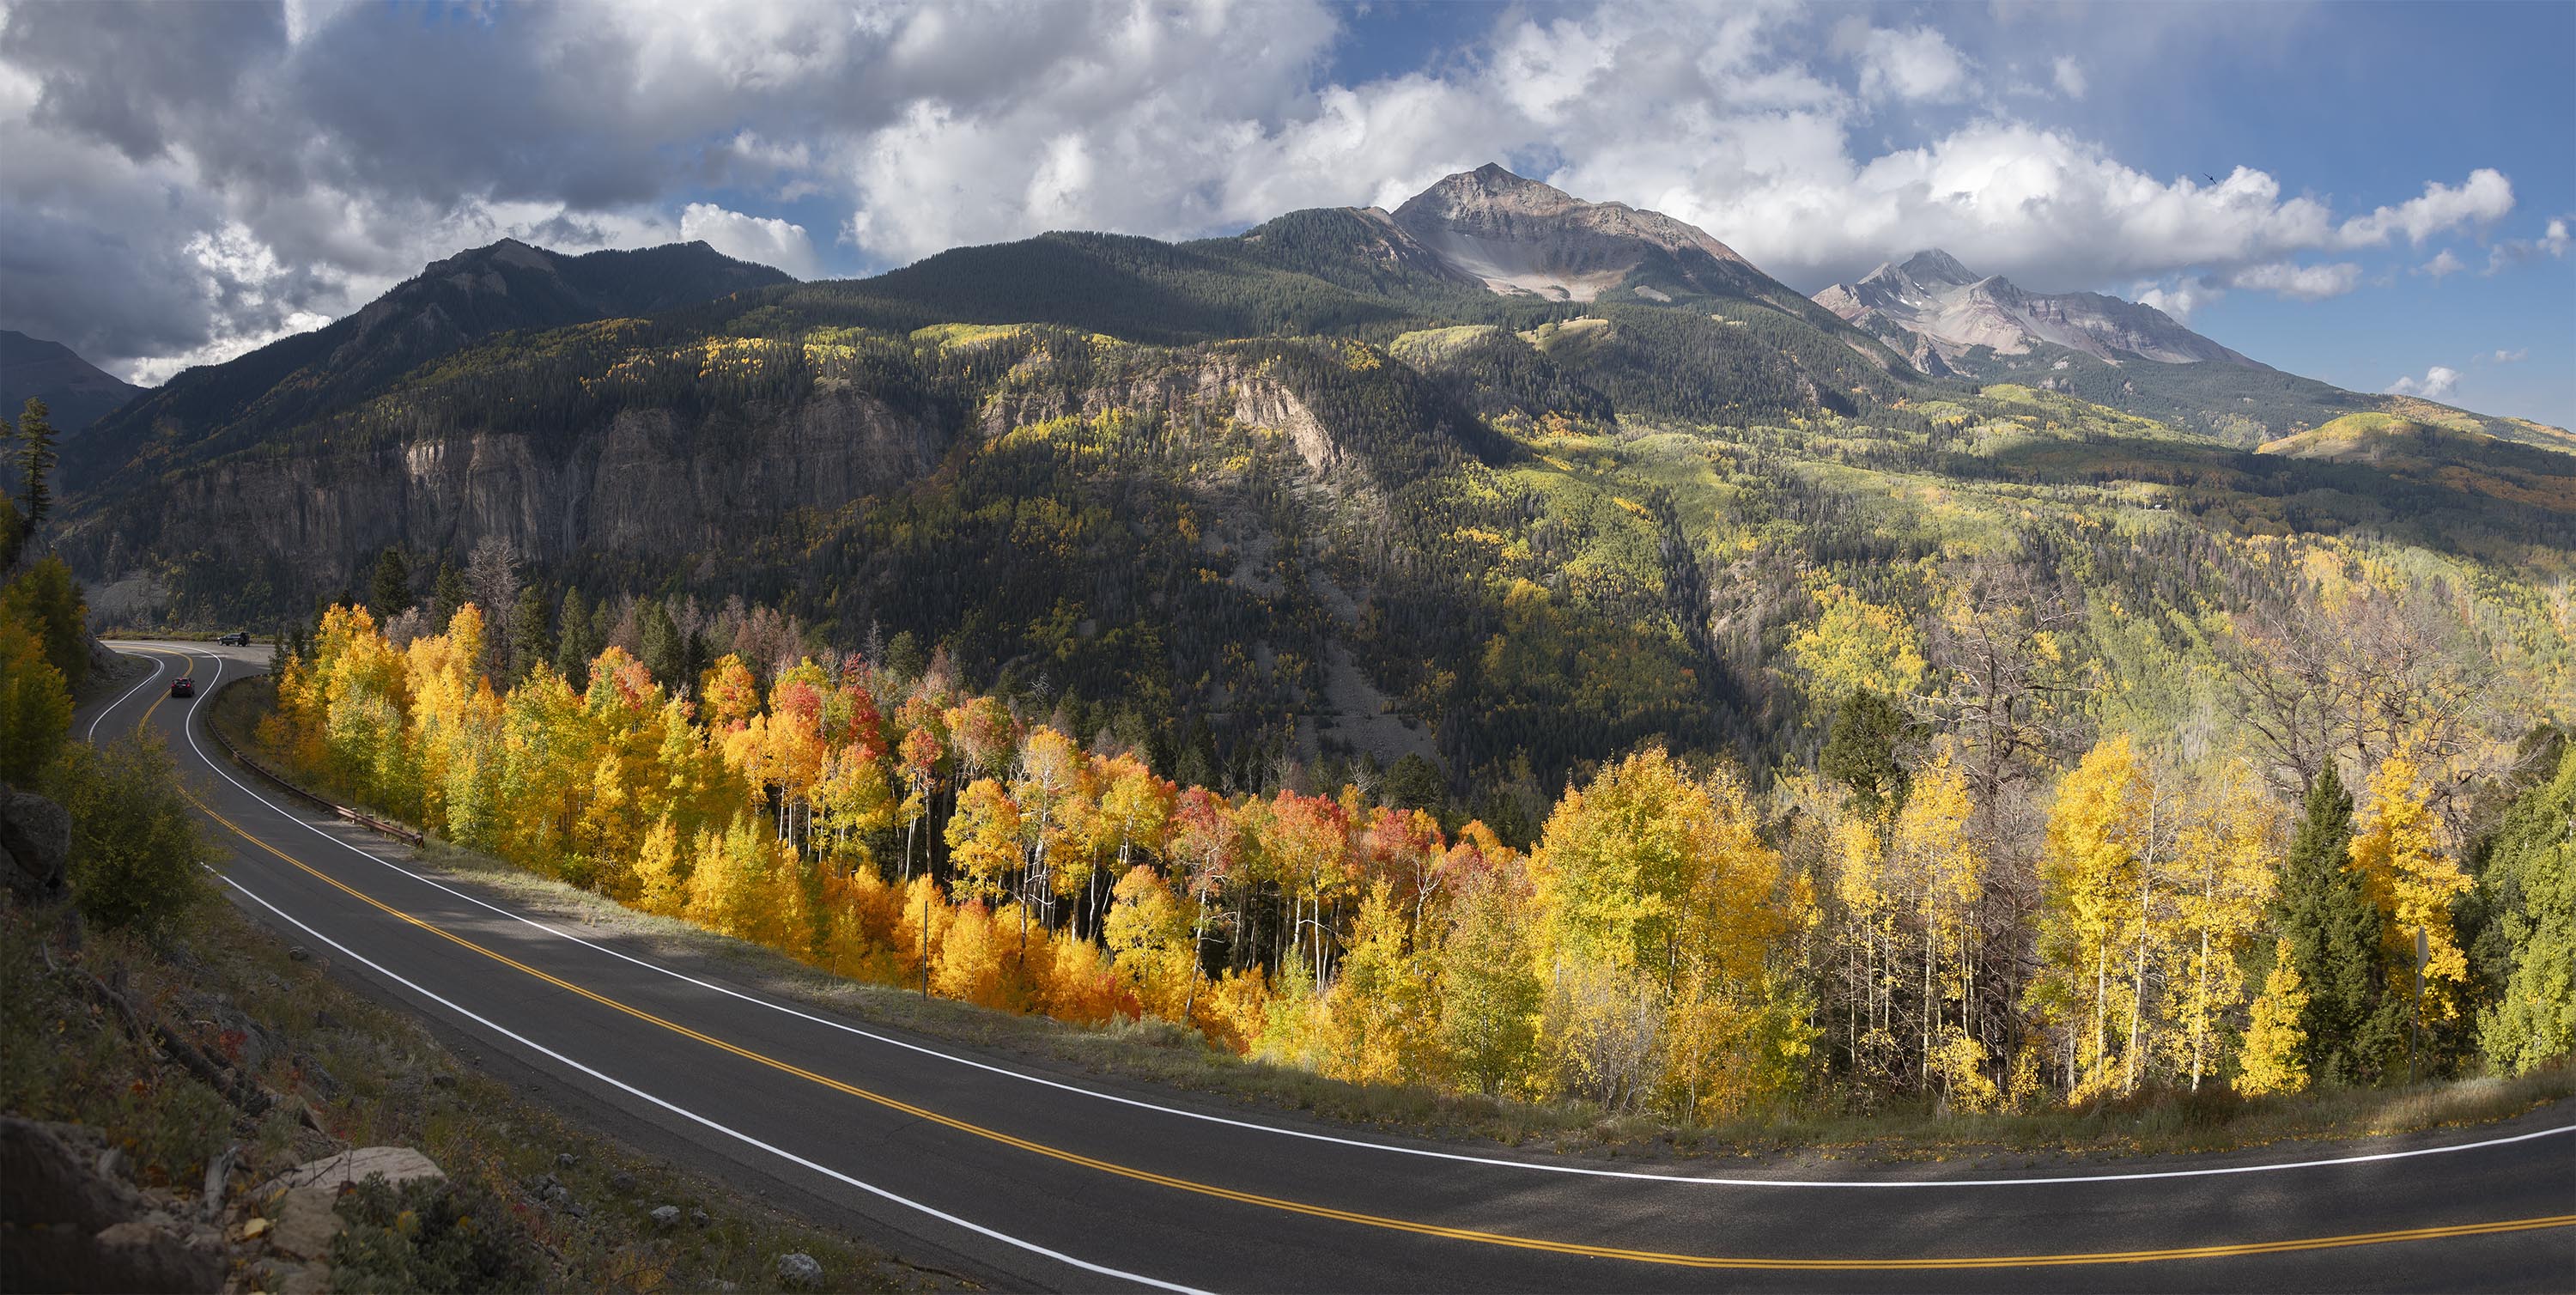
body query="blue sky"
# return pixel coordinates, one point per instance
(2298, 181)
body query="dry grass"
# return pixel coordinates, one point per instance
(371, 1076)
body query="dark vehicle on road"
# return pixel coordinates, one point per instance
(238, 638)
(183, 687)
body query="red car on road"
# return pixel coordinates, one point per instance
(183, 687)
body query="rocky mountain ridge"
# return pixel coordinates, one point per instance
(1936, 311)
(1518, 236)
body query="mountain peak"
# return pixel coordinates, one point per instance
(1949, 311)
(1932, 265)
(1519, 236)
(75, 392)
(1490, 187)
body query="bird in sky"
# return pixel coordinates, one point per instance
(2213, 180)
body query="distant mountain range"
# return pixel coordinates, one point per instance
(1951, 322)
(1497, 471)
(75, 391)
(504, 288)
(1940, 313)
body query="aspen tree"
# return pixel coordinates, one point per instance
(2274, 1056)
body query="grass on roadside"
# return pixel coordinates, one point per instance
(369, 1076)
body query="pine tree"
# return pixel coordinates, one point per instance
(35, 464)
(530, 644)
(448, 595)
(389, 593)
(574, 646)
(1861, 750)
(2324, 915)
(2530, 884)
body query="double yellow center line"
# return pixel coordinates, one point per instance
(1573, 1248)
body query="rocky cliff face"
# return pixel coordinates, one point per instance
(652, 485)
(1932, 303)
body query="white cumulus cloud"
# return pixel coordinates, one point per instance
(2436, 383)
(2069, 75)
(2482, 199)
(2177, 299)
(765, 239)
(1917, 63)
(2300, 282)
(2443, 265)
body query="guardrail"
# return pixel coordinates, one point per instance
(258, 766)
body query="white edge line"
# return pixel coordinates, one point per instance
(110, 708)
(1334, 1139)
(687, 1114)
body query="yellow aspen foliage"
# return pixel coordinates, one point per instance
(731, 888)
(1489, 982)
(1856, 645)
(2092, 873)
(983, 839)
(1232, 1009)
(1959, 1062)
(967, 964)
(1869, 968)
(2413, 884)
(2227, 859)
(2272, 1059)
(661, 886)
(1149, 935)
(727, 694)
(1078, 984)
(1380, 1016)
(1932, 858)
(922, 905)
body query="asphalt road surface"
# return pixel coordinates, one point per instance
(1030, 1178)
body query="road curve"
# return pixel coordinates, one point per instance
(1039, 1179)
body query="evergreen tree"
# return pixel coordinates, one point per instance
(574, 646)
(903, 657)
(665, 653)
(2528, 888)
(530, 644)
(447, 596)
(2331, 929)
(35, 464)
(389, 593)
(1860, 750)
(1415, 783)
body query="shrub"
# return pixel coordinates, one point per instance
(46, 600)
(430, 1234)
(134, 845)
(35, 705)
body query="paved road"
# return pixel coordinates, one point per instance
(1038, 1179)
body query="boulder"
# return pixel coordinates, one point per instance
(35, 845)
(72, 1228)
(305, 1222)
(799, 1271)
(396, 1165)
